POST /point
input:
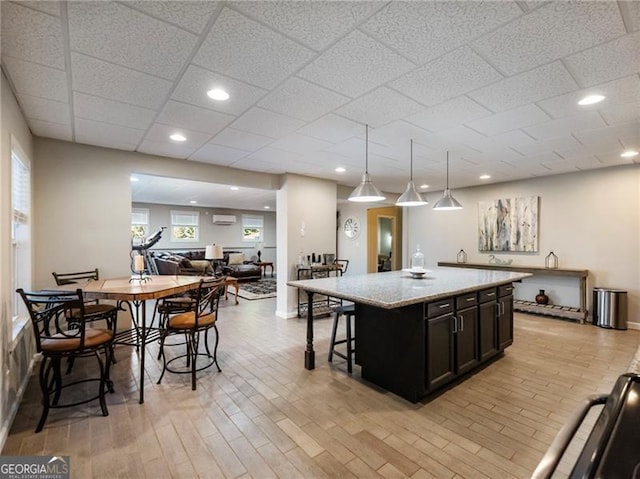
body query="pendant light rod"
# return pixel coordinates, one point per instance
(447, 202)
(411, 164)
(447, 170)
(411, 197)
(366, 149)
(366, 190)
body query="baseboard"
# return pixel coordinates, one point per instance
(6, 426)
(633, 325)
(287, 314)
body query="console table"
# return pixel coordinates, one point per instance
(556, 310)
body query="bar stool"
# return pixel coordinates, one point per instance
(349, 312)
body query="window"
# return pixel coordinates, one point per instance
(184, 225)
(139, 224)
(252, 228)
(20, 230)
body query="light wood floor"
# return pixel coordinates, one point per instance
(266, 416)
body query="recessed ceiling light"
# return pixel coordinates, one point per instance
(424, 187)
(340, 169)
(485, 177)
(591, 99)
(218, 94)
(235, 188)
(193, 202)
(134, 178)
(267, 207)
(629, 154)
(178, 137)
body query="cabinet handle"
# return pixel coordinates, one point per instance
(471, 299)
(455, 324)
(498, 310)
(491, 294)
(442, 306)
(461, 329)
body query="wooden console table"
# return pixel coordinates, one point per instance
(559, 311)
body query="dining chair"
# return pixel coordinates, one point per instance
(57, 338)
(192, 324)
(349, 312)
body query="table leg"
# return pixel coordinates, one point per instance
(237, 287)
(143, 348)
(310, 354)
(265, 271)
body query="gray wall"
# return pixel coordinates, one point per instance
(229, 236)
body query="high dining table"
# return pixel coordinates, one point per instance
(136, 292)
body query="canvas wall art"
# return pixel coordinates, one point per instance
(508, 224)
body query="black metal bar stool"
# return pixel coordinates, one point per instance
(348, 312)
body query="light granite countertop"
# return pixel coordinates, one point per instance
(395, 289)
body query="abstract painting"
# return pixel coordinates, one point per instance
(509, 224)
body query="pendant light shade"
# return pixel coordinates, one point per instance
(411, 197)
(447, 202)
(366, 191)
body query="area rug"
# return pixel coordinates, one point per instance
(264, 288)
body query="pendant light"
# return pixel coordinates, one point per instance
(366, 190)
(411, 197)
(447, 202)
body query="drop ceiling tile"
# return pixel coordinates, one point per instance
(194, 18)
(196, 82)
(243, 140)
(46, 110)
(609, 147)
(513, 138)
(113, 112)
(218, 155)
(32, 36)
(243, 49)
(159, 133)
(451, 75)
(301, 144)
(197, 119)
(47, 129)
(380, 107)
(130, 38)
(398, 134)
(422, 31)
(543, 82)
(549, 33)
(276, 156)
(626, 133)
(332, 128)
(617, 93)
(615, 159)
(566, 126)
(102, 134)
(632, 10)
(547, 146)
(254, 164)
(623, 113)
(449, 114)
(352, 148)
(37, 80)
(95, 77)
(509, 120)
(301, 99)
(45, 6)
(160, 148)
(355, 65)
(461, 134)
(314, 24)
(609, 61)
(266, 123)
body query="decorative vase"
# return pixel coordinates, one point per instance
(551, 261)
(462, 256)
(542, 298)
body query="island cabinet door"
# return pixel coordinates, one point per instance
(488, 334)
(440, 350)
(505, 321)
(466, 340)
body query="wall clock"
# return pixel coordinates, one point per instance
(351, 227)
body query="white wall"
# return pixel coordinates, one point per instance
(591, 220)
(15, 358)
(355, 250)
(306, 223)
(229, 236)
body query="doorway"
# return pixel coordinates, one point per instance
(384, 239)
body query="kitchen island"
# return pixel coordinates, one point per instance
(415, 335)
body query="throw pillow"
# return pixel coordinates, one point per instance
(236, 258)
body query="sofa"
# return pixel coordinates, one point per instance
(179, 263)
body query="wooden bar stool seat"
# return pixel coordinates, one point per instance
(348, 312)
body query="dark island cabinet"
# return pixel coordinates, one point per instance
(417, 349)
(505, 316)
(488, 312)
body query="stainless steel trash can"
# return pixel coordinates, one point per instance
(610, 308)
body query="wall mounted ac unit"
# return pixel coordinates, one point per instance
(224, 219)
